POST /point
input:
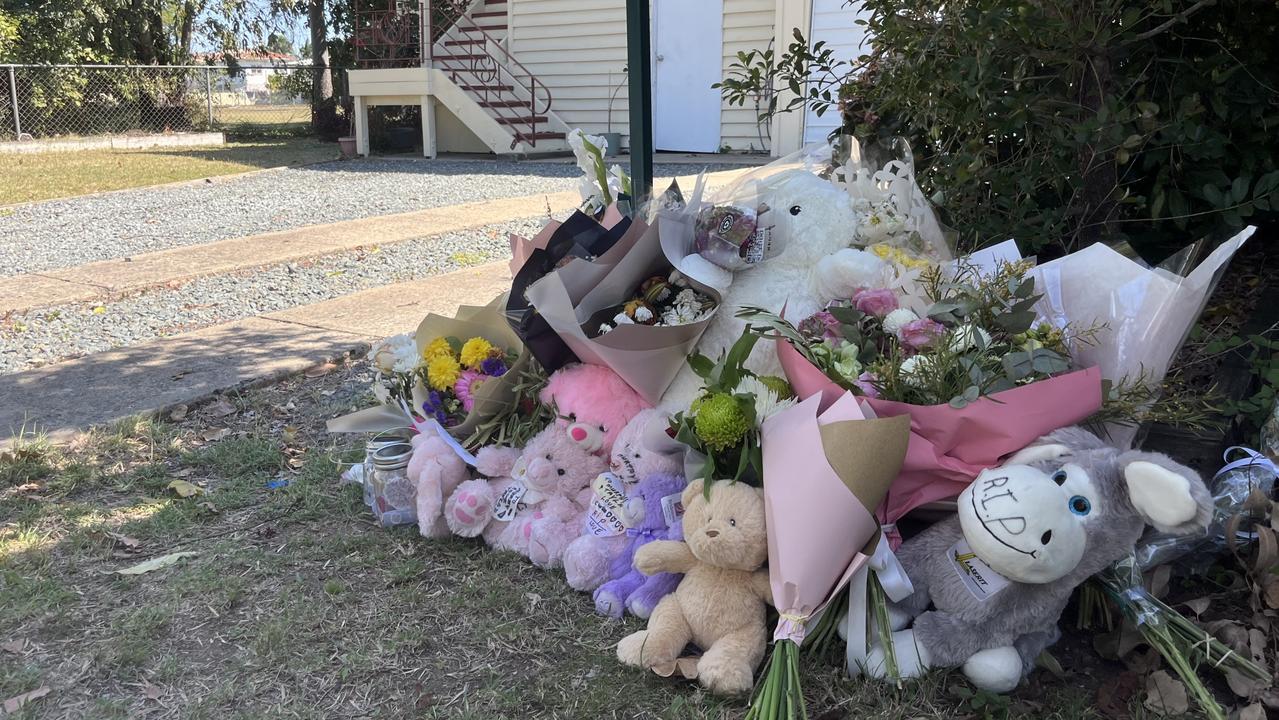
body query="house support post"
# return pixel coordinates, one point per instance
(639, 65)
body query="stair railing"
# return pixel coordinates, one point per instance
(490, 69)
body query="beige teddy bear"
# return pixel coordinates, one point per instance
(719, 605)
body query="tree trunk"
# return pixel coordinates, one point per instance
(189, 11)
(322, 84)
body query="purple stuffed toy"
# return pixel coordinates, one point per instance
(653, 503)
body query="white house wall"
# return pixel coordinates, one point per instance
(748, 25)
(572, 46)
(578, 49)
(834, 22)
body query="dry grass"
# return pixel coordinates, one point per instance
(44, 176)
(298, 606)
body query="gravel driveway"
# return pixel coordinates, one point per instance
(63, 233)
(56, 333)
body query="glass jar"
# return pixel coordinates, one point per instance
(394, 496)
(386, 438)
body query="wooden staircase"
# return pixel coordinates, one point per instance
(471, 50)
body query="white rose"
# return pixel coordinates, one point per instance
(967, 337)
(840, 274)
(396, 354)
(913, 369)
(897, 319)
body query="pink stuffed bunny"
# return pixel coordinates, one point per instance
(436, 471)
(550, 479)
(639, 452)
(593, 404)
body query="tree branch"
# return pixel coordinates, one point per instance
(1177, 18)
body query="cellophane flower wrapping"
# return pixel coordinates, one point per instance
(824, 475)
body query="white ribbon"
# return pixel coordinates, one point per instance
(892, 577)
(430, 423)
(1251, 457)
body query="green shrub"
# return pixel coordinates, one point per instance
(1064, 122)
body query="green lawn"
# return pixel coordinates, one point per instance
(297, 605)
(44, 176)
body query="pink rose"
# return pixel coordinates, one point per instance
(875, 302)
(821, 325)
(866, 383)
(921, 333)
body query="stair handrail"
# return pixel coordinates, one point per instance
(539, 102)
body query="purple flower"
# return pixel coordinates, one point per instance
(875, 302)
(866, 383)
(821, 325)
(493, 367)
(434, 407)
(919, 334)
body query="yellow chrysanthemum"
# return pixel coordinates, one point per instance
(439, 347)
(899, 256)
(442, 372)
(475, 351)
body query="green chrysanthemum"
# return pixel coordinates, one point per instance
(778, 385)
(720, 422)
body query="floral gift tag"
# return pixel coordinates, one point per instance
(510, 502)
(672, 509)
(981, 579)
(605, 516)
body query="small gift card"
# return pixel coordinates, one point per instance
(672, 508)
(605, 516)
(980, 579)
(510, 502)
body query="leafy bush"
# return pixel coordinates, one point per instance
(1063, 122)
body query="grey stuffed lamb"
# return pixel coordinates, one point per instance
(998, 574)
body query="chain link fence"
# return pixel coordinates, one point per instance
(70, 101)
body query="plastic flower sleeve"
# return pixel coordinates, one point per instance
(493, 398)
(1230, 489)
(1144, 314)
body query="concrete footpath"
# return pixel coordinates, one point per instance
(152, 377)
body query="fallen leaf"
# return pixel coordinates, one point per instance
(1242, 685)
(178, 413)
(319, 370)
(1198, 605)
(1253, 712)
(1267, 550)
(15, 703)
(214, 435)
(1165, 694)
(152, 692)
(29, 487)
(179, 375)
(1051, 664)
(184, 472)
(126, 541)
(289, 434)
(14, 646)
(1270, 588)
(206, 505)
(156, 563)
(295, 463)
(219, 408)
(184, 488)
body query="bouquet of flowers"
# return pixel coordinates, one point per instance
(722, 426)
(599, 186)
(664, 300)
(457, 373)
(578, 299)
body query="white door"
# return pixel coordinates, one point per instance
(835, 22)
(688, 40)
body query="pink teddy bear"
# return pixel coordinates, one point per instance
(549, 480)
(436, 471)
(593, 404)
(642, 449)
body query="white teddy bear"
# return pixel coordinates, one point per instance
(816, 265)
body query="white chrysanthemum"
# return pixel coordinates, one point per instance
(643, 314)
(396, 354)
(967, 337)
(914, 368)
(840, 274)
(880, 226)
(622, 319)
(897, 319)
(604, 328)
(767, 403)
